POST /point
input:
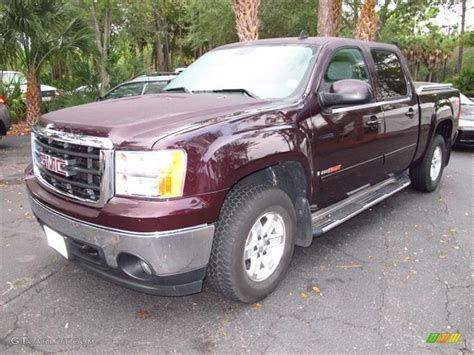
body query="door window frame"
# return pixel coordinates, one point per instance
(408, 95)
(367, 67)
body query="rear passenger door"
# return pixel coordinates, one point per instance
(399, 104)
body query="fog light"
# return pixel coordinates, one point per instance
(134, 266)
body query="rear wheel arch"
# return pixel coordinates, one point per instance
(421, 174)
(445, 128)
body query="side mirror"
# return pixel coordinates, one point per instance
(347, 92)
(99, 98)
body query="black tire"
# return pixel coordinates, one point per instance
(242, 208)
(420, 173)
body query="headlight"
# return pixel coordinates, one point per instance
(150, 174)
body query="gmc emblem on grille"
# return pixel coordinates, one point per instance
(54, 164)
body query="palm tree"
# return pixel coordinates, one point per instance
(34, 31)
(246, 19)
(414, 54)
(329, 17)
(367, 22)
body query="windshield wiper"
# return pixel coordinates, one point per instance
(179, 89)
(241, 91)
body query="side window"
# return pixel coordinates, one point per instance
(347, 63)
(390, 78)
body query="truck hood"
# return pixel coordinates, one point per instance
(138, 122)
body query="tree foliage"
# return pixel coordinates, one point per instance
(282, 18)
(33, 32)
(55, 42)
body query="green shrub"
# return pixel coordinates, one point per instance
(15, 100)
(70, 98)
(464, 82)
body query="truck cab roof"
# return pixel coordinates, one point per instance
(319, 41)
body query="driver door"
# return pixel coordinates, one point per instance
(347, 153)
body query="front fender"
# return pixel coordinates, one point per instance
(231, 158)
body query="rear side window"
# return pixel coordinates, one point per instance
(390, 78)
(347, 63)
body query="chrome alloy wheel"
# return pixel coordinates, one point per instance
(436, 163)
(264, 246)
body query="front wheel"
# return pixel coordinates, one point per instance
(426, 175)
(253, 243)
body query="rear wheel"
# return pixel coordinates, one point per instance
(426, 175)
(253, 243)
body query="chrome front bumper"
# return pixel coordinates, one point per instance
(171, 252)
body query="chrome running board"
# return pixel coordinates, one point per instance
(332, 216)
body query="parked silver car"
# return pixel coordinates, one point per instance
(141, 85)
(465, 135)
(11, 78)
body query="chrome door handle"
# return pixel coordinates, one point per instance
(410, 113)
(374, 120)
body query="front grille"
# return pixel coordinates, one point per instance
(74, 170)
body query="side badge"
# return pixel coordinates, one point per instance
(330, 170)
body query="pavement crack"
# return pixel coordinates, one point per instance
(330, 247)
(15, 327)
(33, 285)
(446, 303)
(350, 324)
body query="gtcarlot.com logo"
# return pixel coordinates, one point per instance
(26, 340)
(443, 338)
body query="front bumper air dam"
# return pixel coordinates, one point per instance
(178, 258)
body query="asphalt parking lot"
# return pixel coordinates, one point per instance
(379, 283)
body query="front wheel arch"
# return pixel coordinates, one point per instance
(292, 178)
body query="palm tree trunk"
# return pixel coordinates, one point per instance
(417, 70)
(166, 52)
(246, 19)
(461, 47)
(104, 75)
(33, 98)
(445, 64)
(329, 17)
(367, 24)
(102, 39)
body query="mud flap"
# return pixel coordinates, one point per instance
(304, 236)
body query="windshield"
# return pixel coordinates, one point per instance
(265, 71)
(13, 77)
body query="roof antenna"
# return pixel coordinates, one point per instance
(303, 35)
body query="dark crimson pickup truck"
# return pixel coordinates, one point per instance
(253, 149)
